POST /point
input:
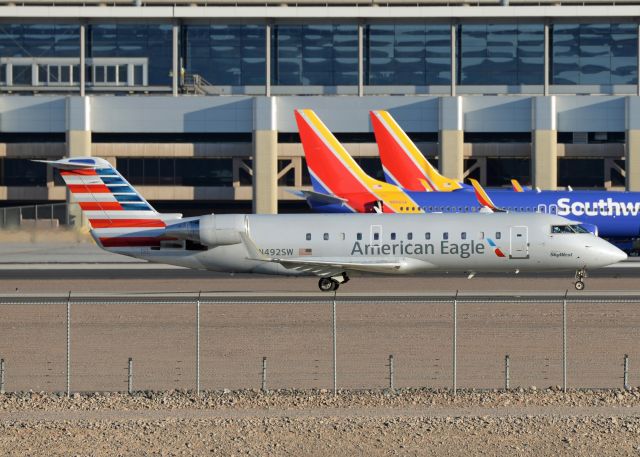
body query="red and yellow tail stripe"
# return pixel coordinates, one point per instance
(331, 165)
(403, 162)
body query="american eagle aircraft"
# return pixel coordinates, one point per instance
(340, 185)
(330, 246)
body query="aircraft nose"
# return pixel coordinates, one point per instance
(609, 254)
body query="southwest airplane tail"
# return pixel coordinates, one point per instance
(335, 174)
(403, 163)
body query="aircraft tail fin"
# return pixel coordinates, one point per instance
(483, 197)
(403, 163)
(333, 171)
(118, 215)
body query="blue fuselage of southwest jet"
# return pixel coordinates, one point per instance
(616, 214)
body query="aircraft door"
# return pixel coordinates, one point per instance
(376, 235)
(519, 242)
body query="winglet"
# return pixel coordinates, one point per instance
(483, 197)
(516, 186)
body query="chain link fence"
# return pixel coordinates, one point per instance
(287, 342)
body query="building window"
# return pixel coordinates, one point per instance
(581, 172)
(228, 55)
(594, 54)
(500, 171)
(21, 172)
(178, 172)
(314, 55)
(407, 54)
(511, 54)
(152, 41)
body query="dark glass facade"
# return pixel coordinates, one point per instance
(177, 172)
(510, 54)
(327, 54)
(20, 172)
(581, 172)
(595, 54)
(309, 55)
(228, 55)
(402, 54)
(39, 40)
(152, 41)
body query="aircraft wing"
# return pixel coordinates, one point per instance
(327, 266)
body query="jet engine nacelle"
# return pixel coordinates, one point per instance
(222, 229)
(212, 230)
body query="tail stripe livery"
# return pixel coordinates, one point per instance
(333, 170)
(402, 161)
(119, 216)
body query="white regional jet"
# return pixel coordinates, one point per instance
(330, 246)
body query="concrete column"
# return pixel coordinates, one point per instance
(451, 144)
(265, 156)
(544, 159)
(632, 148)
(78, 140)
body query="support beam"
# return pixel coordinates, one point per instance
(265, 156)
(175, 71)
(547, 69)
(454, 51)
(267, 60)
(632, 147)
(82, 70)
(544, 160)
(451, 144)
(360, 60)
(78, 136)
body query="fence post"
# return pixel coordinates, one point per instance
(198, 344)
(1, 376)
(391, 372)
(507, 374)
(69, 345)
(626, 372)
(564, 342)
(455, 344)
(264, 374)
(130, 376)
(335, 353)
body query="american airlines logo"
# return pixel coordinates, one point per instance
(602, 207)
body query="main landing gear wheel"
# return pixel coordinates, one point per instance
(328, 284)
(580, 275)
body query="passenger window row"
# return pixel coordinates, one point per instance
(409, 236)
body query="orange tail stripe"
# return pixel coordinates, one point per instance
(97, 206)
(87, 172)
(123, 223)
(88, 189)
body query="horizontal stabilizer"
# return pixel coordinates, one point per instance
(318, 197)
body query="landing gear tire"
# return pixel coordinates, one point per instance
(580, 275)
(328, 284)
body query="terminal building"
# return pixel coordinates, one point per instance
(193, 100)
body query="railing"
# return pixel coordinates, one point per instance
(313, 2)
(47, 216)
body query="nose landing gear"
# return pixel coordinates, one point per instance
(332, 283)
(580, 275)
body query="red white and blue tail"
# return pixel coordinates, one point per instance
(119, 216)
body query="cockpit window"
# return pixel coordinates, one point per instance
(569, 229)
